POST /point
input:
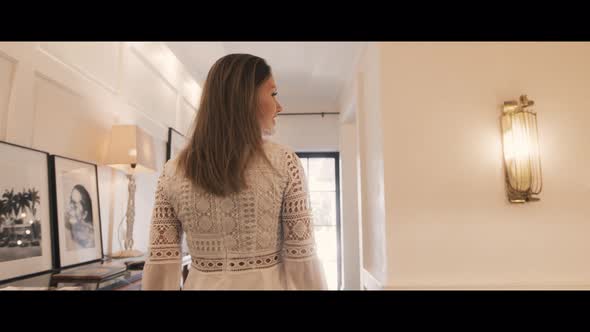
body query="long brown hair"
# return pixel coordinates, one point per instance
(226, 134)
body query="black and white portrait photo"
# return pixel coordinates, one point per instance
(78, 218)
(78, 211)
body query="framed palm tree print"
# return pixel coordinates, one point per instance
(26, 246)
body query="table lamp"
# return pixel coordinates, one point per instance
(132, 151)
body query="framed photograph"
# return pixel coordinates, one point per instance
(77, 211)
(176, 142)
(26, 247)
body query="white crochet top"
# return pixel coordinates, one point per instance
(259, 238)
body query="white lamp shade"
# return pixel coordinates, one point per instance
(129, 145)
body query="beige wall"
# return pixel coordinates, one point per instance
(449, 224)
(63, 98)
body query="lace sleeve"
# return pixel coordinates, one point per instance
(162, 270)
(302, 266)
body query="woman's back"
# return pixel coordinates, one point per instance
(258, 238)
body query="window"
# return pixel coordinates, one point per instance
(322, 172)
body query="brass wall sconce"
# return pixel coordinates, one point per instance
(520, 141)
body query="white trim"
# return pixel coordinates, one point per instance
(76, 68)
(370, 282)
(500, 286)
(186, 101)
(152, 67)
(351, 75)
(4, 115)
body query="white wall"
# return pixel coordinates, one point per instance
(308, 133)
(350, 238)
(371, 202)
(349, 185)
(449, 224)
(63, 98)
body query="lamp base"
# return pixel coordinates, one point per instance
(127, 253)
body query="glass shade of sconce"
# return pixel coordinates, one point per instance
(520, 141)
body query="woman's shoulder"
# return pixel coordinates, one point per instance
(276, 148)
(170, 167)
(170, 171)
(170, 181)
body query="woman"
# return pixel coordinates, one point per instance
(241, 200)
(79, 219)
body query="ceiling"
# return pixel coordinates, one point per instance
(310, 75)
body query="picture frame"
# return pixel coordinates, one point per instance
(76, 202)
(176, 141)
(26, 226)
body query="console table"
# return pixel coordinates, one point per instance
(109, 274)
